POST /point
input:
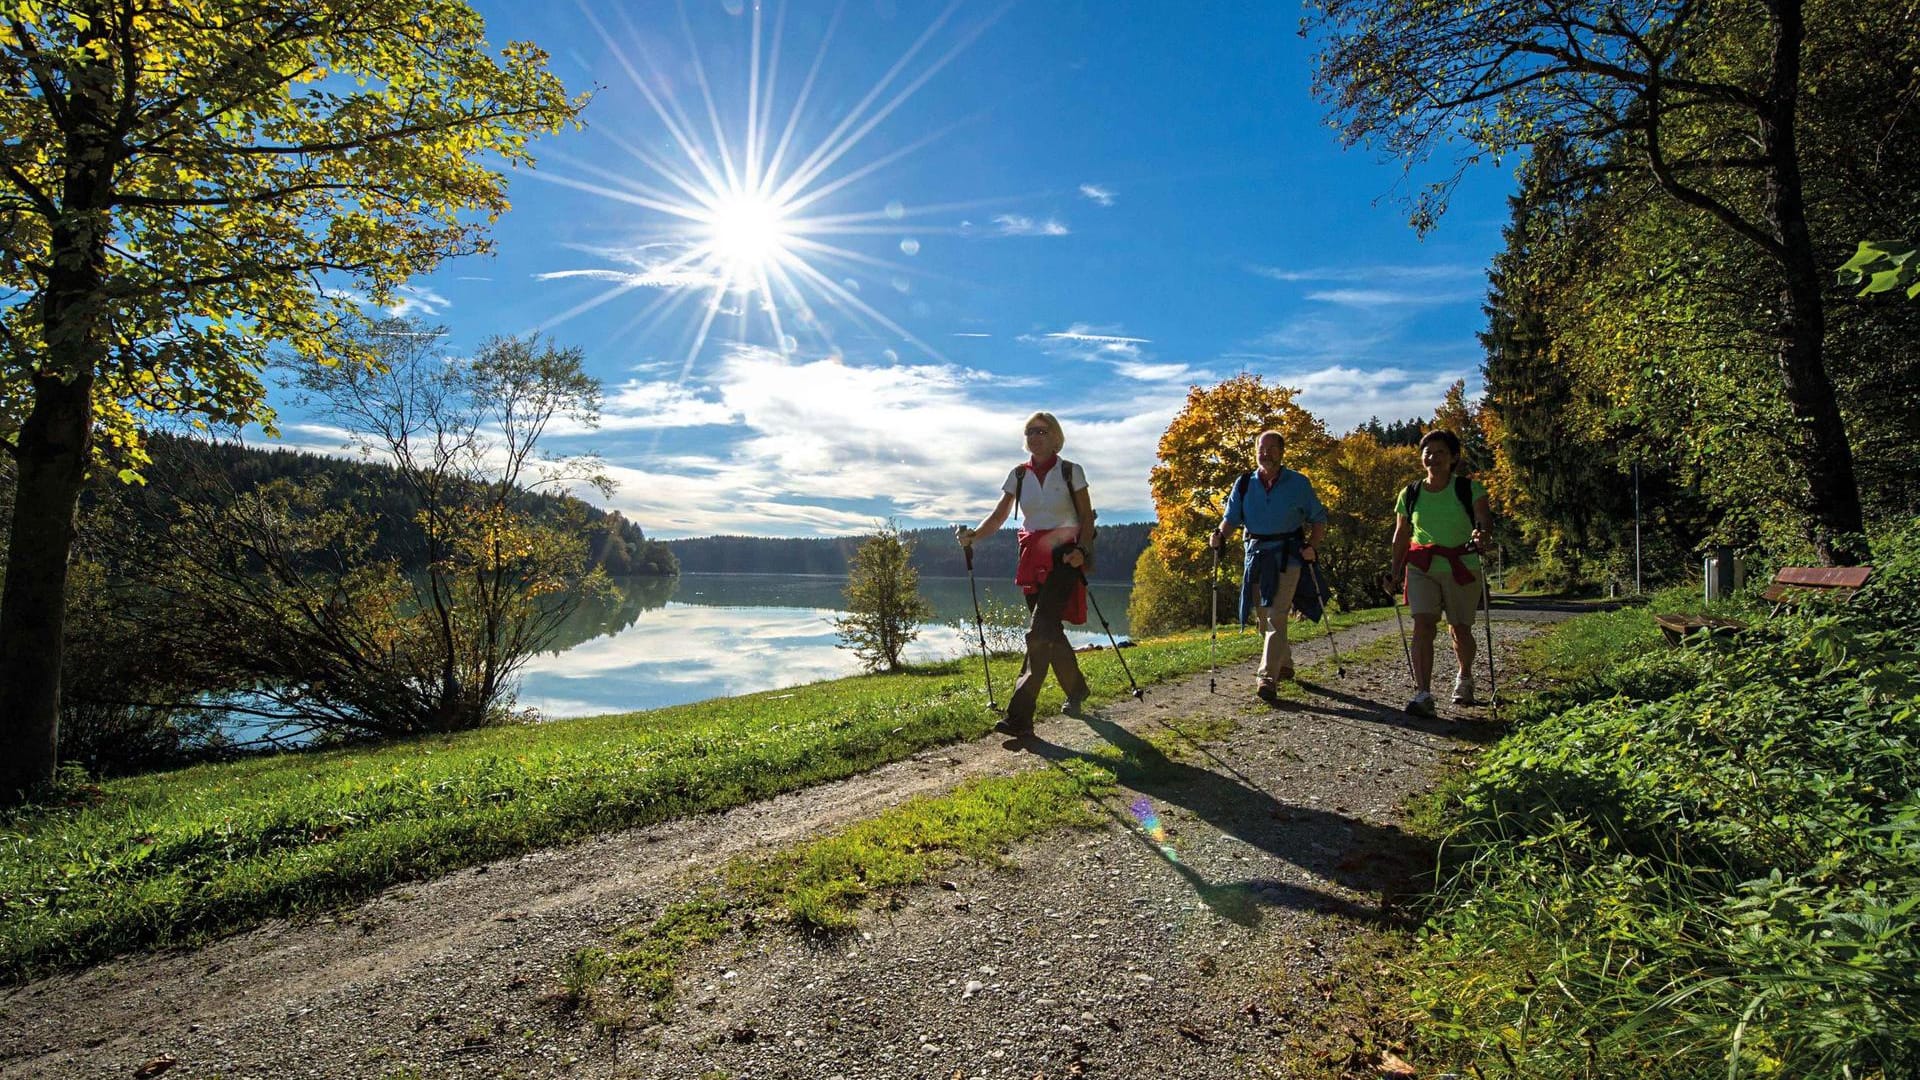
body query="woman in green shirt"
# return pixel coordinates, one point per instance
(1439, 524)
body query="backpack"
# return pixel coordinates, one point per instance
(1462, 490)
(1066, 473)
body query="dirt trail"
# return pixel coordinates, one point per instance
(1095, 953)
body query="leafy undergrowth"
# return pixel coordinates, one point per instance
(1698, 862)
(178, 857)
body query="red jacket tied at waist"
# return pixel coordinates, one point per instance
(1036, 562)
(1422, 556)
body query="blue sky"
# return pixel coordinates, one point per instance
(1078, 207)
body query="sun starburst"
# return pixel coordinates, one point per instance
(739, 213)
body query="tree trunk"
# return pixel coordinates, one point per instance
(1831, 497)
(54, 444)
(51, 465)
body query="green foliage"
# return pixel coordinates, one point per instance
(191, 187)
(1164, 604)
(1704, 860)
(280, 590)
(884, 605)
(1882, 266)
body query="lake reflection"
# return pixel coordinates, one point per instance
(667, 642)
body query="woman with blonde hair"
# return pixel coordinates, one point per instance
(1056, 530)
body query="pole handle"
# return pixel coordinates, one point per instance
(968, 549)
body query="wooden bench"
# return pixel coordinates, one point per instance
(1796, 583)
(1791, 585)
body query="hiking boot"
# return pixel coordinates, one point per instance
(1463, 690)
(1267, 692)
(1010, 726)
(1074, 707)
(1422, 705)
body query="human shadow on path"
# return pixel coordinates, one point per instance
(1375, 713)
(1366, 858)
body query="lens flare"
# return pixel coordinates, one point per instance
(1149, 819)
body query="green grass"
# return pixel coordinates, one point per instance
(1686, 862)
(179, 857)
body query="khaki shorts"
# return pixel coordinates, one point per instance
(1431, 591)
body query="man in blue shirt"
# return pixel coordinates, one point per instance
(1285, 522)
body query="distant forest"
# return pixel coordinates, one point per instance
(935, 554)
(615, 544)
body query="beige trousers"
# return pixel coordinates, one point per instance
(1276, 652)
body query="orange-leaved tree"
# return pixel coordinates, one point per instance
(1206, 448)
(1358, 481)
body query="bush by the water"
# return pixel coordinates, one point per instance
(1711, 867)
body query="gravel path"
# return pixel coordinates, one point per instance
(1093, 953)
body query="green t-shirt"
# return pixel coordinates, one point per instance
(1438, 517)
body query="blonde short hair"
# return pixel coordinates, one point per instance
(1262, 437)
(1053, 425)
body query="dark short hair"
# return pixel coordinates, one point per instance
(1444, 436)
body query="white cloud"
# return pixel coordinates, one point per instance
(1388, 297)
(418, 299)
(827, 446)
(637, 279)
(1123, 354)
(970, 333)
(1374, 274)
(1022, 225)
(1102, 195)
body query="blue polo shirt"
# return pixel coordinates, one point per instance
(1290, 504)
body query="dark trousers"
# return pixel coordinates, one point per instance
(1047, 645)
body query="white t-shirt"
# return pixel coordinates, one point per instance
(1046, 504)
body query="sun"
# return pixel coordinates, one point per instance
(739, 206)
(746, 235)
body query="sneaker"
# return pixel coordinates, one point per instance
(1075, 707)
(1267, 692)
(1007, 726)
(1422, 705)
(1463, 689)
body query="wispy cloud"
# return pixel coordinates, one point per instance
(970, 333)
(1391, 297)
(1102, 195)
(1022, 225)
(1374, 274)
(1125, 355)
(418, 300)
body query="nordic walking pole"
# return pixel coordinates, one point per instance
(981, 625)
(1406, 649)
(1138, 694)
(1486, 607)
(1326, 615)
(1213, 623)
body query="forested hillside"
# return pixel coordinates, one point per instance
(934, 553)
(616, 545)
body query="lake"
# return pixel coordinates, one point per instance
(670, 641)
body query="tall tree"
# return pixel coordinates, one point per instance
(1703, 96)
(185, 183)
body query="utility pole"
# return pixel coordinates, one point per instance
(1636, 527)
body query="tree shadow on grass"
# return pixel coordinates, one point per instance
(1370, 859)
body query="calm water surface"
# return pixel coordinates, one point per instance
(667, 642)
